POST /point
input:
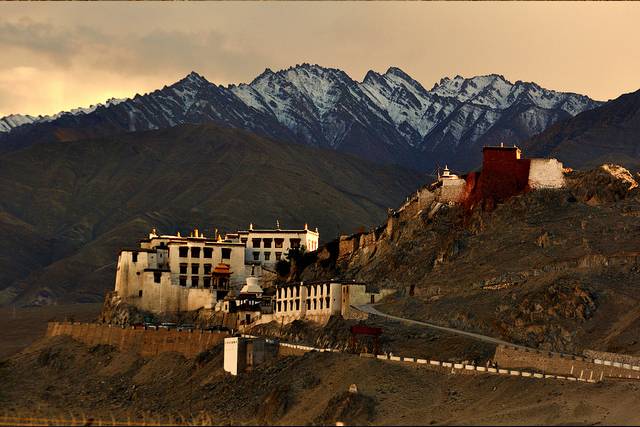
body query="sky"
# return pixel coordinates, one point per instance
(58, 56)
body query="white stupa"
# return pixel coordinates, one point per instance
(251, 287)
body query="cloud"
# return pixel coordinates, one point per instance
(151, 52)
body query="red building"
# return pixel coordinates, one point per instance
(504, 174)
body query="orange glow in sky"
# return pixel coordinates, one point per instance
(57, 56)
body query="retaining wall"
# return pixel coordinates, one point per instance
(145, 342)
(463, 369)
(563, 364)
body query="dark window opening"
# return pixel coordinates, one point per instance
(243, 240)
(195, 268)
(295, 243)
(267, 243)
(184, 251)
(207, 269)
(278, 242)
(194, 281)
(297, 304)
(195, 252)
(256, 256)
(255, 243)
(156, 276)
(278, 256)
(279, 306)
(267, 256)
(208, 252)
(327, 302)
(183, 268)
(308, 304)
(140, 293)
(183, 280)
(206, 282)
(134, 257)
(226, 253)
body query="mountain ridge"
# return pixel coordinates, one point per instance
(386, 118)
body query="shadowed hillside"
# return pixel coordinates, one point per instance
(66, 208)
(607, 134)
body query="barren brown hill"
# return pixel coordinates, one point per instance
(312, 389)
(555, 269)
(67, 208)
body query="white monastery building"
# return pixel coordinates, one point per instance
(170, 273)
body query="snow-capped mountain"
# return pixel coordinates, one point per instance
(387, 117)
(11, 121)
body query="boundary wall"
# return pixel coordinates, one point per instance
(564, 364)
(145, 342)
(463, 369)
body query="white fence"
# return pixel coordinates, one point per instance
(479, 369)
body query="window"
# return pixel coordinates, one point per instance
(267, 256)
(195, 268)
(140, 293)
(267, 243)
(183, 268)
(255, 243)
(134, 256)
(327, 301)
(243, 240)
(226, 253)
(291, 305)
(295, 243)
(194, 281)
(183, 280)
(297, 304)
(279, 306)
(256, 256)
(278, 256)
(184, 251)
(156, 276)
(207, 269)
(195, 252)
(206, 282)
(278, 242)
(208, 252)
(320, 303)
(308, 304)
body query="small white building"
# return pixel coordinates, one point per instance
(245, 353)
(318, 301)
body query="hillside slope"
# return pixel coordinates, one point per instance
(609, 133)
(67, 208)
(556, 269)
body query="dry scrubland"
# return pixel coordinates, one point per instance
(60, 376)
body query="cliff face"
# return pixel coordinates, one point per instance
(548, 268)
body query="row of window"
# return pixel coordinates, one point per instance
(312, 304)
(195, 268)
(312, 291)
(206, 252)
(255, 243)
(267, 256)
(195, 281)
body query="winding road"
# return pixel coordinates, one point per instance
(368, 308)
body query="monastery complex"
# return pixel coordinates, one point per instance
(172, 273)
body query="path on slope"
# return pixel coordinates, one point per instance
(368, 308)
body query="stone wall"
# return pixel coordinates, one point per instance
(561, 364)
(613, 357)
(145, 342)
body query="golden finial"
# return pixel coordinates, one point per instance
(306, 226)
(277, 224)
